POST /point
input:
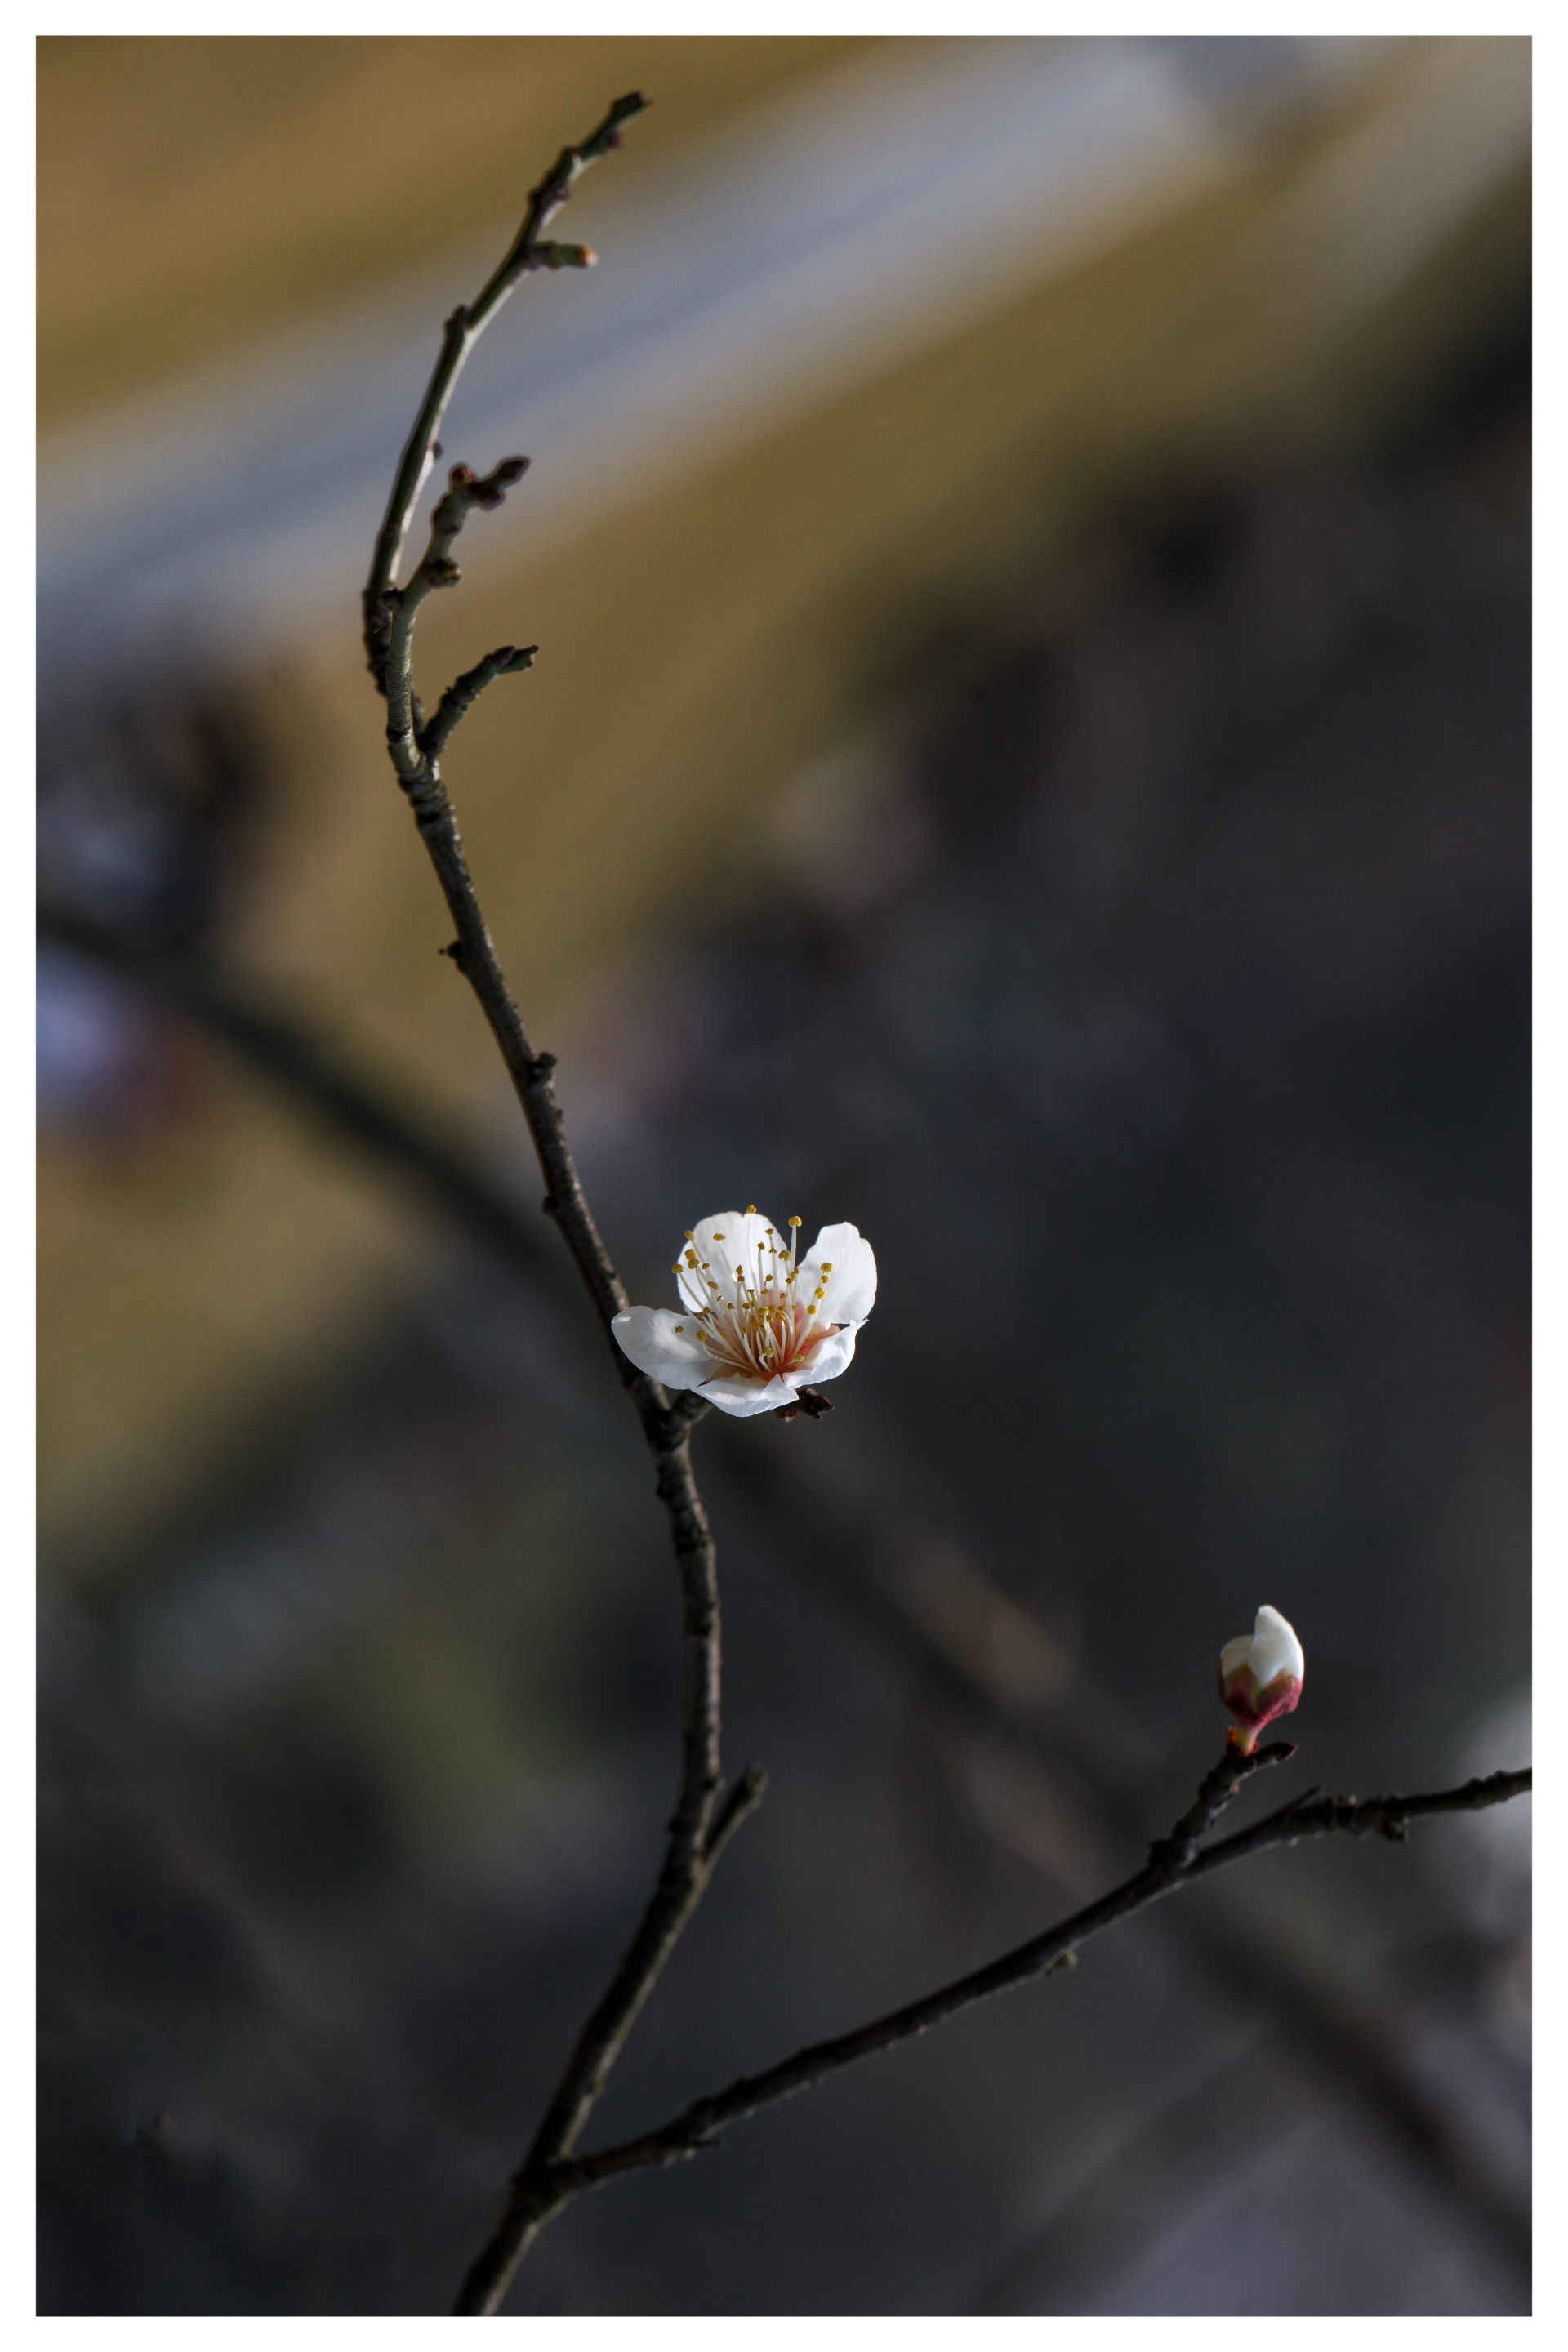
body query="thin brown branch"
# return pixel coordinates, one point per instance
(526, 253)
(1216, 1791)
(1389, 1818)
(694, 1840)
(507, 661)
(971, 1643)
(697, 2125)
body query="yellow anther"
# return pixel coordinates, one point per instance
(752, 1210)
(828, 1266)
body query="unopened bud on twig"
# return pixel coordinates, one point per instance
(1260, 1676)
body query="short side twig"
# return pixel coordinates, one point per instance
(527, 253)
(505, 662)
(1214, 1793)
(697, 2125)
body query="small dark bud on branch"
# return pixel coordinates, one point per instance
(609, 139)
(811, 1401)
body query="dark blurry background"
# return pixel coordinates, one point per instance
(1030, 753)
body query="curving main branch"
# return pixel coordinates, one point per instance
(701, 1824)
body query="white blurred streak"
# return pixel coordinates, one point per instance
(1485, 1864)
(805, 249)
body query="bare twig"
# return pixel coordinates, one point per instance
(695, 1837)
(697, 2125)
(1389, 1818)
(1216, 1791)
(526, 253)
(973, 1645)
(505, 662)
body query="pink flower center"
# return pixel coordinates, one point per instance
(765, 1330)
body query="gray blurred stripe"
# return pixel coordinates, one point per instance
(771, 266)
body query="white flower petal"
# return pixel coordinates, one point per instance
(852, 1284)
(652, 1337)
(1235, 1656)
(743, 1398)
(1275, 1649)
(831, 1358)
(723, 1243)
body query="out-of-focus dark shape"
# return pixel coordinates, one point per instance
(145, 802)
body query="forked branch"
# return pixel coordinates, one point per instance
(698, 1826)
(527, 253)
(1176, 1861)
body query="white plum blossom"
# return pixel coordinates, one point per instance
(1260, 1675)
(754, 1326)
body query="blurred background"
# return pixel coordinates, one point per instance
(1030, 753)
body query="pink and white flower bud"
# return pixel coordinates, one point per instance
(1260, 1676)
